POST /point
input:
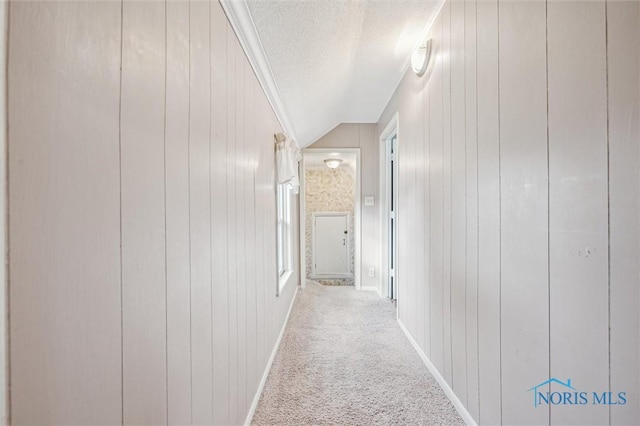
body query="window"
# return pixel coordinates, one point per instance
(284, 237)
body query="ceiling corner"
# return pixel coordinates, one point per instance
(241, 21)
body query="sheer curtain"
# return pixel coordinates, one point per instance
(287, 158)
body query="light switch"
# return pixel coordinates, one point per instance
(369, 201)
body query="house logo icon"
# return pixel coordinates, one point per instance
(547, 382)
(563, 393)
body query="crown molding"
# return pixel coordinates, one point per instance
(242, 23)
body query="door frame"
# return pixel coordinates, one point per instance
(357, 266)
(314, 275)
(392, 128)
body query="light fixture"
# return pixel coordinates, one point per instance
(332, 163)
(420, 58)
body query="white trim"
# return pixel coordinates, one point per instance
(242, 23)
(441, 381)
(283, 280)
(390, 129)
(357, 263)
(302, 221)
(263, 381)
(330, 277)
(382, 213)
(372, 288)
(396, 220)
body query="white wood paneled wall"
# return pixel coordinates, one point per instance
(519, 153)
(4, 306)
(142, 216)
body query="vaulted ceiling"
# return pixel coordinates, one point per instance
(331, 61)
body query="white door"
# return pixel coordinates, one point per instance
(331, 244)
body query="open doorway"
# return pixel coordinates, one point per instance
(388, 208)
(391, 231)
(330, 217)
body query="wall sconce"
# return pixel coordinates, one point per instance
(333, 163)
(420, 58)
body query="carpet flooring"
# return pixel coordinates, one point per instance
(344, 360)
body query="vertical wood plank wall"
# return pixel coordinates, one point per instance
(64, 198)
(578, 214)
(524, 276)
(177, 215)
(142, 210)
(531, 150)
(488, 302)
(436, 200)
(471, 185)
(446, 190)
(142, 201)
(623, 73)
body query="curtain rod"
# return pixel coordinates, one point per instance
(279, 137)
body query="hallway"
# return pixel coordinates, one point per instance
(155, 225)
(343, 359)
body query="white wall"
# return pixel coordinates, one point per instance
(519, 205)
(142, 216)
(363, 136)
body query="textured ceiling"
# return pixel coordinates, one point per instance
(337, 61)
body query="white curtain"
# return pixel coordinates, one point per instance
(287, 158)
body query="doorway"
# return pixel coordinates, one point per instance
(392, 224)
(388, 209)
(330, 216)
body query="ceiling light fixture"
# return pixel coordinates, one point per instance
(332, 163)
(420, 58)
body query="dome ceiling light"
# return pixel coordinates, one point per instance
(333, 163)
(420, 58)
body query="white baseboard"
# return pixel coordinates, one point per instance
(256, 397)
(371, 288)
(441, 381)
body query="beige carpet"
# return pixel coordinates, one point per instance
(343, 360)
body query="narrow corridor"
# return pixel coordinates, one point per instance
(343, 359)
(158, 219)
